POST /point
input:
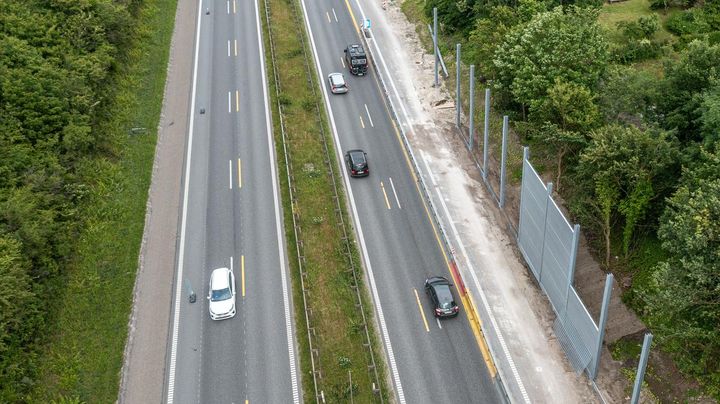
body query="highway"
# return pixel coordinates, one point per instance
(231, 217)
(430, 361)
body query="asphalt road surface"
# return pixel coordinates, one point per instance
(231, 218)
(431, 361)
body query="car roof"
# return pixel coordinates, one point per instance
(219, 279)
(337, 78)
(357, 154)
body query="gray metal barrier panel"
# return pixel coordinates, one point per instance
(533, 196)
(557, 251)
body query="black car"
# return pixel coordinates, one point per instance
(438, 288)
(357, 164)
(356, 59)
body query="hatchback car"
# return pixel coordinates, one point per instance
(337, 83)
(438, 288)
(357, 164)
(222, 294)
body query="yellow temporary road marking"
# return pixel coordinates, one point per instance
(422, 313)
(465, 301)
(361, 122)
(242, 273)
(387, 202)
(237, 100)
(352, 16)
(239, 173)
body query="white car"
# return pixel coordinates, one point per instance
(222, 294)
(337, 83)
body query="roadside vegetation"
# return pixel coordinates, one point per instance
(75, 78)
(337, 331)
(620, 104)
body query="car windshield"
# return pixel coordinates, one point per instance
(220, 294)
(445, 299)
(358, 159)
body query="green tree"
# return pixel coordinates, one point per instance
(627, 95)
(621, 166)
(566, 116)
(558, 44)
(709, 111)
(684, 309)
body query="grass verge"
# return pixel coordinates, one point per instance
(83, 356)
(338, 335)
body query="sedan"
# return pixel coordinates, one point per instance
(357, 164)
(438, 289)
(222, 294)
(337, 83)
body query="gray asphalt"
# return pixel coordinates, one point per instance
(246, 357)
(443, 365)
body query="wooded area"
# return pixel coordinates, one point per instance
(628, 123)
(58, 60)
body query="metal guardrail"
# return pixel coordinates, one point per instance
(295, 215)
(314, 349)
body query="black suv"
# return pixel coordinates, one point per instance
(357, 164)
(438, 288)
(356, 59)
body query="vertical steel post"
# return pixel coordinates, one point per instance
(601, 325)
(641, 368)
(503, 161)
(457, 85)
(486, 132)
(471, 134)
(526, 161)
(548, 196)
(435, 43)
(571, 264)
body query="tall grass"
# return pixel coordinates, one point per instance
(338, 334)
(81, 360)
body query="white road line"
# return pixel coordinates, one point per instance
(438, 322)
(494, 323)
(427, 167)
(343, 62)
(369, 117)
(371, 277)
(183, 225)
(472, 272)
(333, 10)
(392, 185)
(228, 7)
(229, 102)
(228, 48)
(278, 222)
(327, 14)
(231, 263)
(230, 173)
(362, 122)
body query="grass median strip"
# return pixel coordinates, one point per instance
(336, 323)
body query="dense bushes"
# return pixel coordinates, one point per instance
(621, 135)
(57, 60)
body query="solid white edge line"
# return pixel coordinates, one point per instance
(278, 227)
(392, 185)
(373, 287)
(181, 256)
(477, 284)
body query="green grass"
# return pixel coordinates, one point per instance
(631, 10)
(83, 356)
(338, 335)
